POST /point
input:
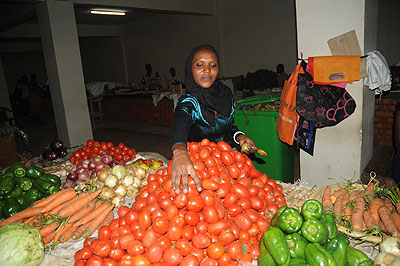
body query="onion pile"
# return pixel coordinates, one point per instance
(88, 170)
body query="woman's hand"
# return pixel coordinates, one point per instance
(181, 168)
(251, 147)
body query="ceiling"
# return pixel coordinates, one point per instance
(15, 13)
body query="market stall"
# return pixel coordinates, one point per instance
(102, 204)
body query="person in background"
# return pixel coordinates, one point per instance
(281, 75)
(207, 111)
(150, 76)
(396, 145)
(17, 93)
(174, 78)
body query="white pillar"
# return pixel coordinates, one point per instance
(342, 151)
(5, 95)
(64, 70)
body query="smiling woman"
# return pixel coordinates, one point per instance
(206, 112)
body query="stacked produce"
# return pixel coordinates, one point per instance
(221, 225)
(65, 215)
(56, 150)
(309, 237)
(120, 153)
(20, 187)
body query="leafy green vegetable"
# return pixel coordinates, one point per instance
(20, 244)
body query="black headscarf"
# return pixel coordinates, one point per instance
(217, 97)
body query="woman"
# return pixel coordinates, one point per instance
(205, 112)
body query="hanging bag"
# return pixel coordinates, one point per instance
(326, 105)
(287, 117)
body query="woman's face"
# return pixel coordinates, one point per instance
(205, 68)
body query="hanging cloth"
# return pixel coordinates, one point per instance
(379, 78)
(332, 69)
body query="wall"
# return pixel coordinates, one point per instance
(388, 28)
(338, 150)
(249, 30)
(102, 59)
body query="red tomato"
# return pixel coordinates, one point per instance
(240, 190)
(135, 247)
(89, 142)
(195, 204)
(116, 253)
(234, 210)
(245, 203)
(181, 200)
(149, 238)
(272, 209)
(80, 262)
(194, 147)
(234, 171)
(272, 183)
(164, 242)
(145, 219)
(104, 233)
(77, 255)
(110, 262)
(208, 198)
(139, 233)
(172, 257)
(224, 260)
(126, 260)
(216, 228)
(192, 218)
(190, 260)
(205, 142)
(226, 236)
(227, 158)
(139, 260)
(210, 214)
(124, 229)
(210, 162)
(210, 184)
(230, 199)
(243, 221)
(131, 216)
(184, 246)
(234, 250)
(95, 261)
(201, 240)
(86, 253)
(204, 153)
(174, 231)
(160, 225)
(223, 146)
(87, 241)
(154, 253)
(215, 250)
(125, 240)
(256, 203)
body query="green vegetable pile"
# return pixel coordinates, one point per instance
(20, 244)
(307, 238)
(20, 187)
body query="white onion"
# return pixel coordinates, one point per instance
(141, 172)
(120, 190)
(97, 159)
(118, 201)
(111, 181)
(119, 171)
(85, 163)
(136, 182)
(128, 180)
(107, 193)
(103, 173)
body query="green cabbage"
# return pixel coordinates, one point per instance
(21, 245)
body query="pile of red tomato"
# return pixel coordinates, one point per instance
(120, 153)
(221, 225)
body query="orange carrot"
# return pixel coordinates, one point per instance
(358, 212)
(77, 205)
(96, 221)
(386, 218)
(369, 220)
(389, 205)
(60, 231)
(346, 213)
(354, 195)
(66, 196)
(107, 220)
(85, 210)
(338, 205)
(29, 212)
(375, 204)
(67, 234)
(50, 198)
(326, 199)
(79, 230)
(396, 220)
(47, 238)
(59, 207)
(398, 207)
(48, 229)
(96, 212)
(369, 191)
(337, 193)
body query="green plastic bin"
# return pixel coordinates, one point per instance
(256, 117)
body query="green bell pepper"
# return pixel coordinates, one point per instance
(7, 184)
(16, 192)
(1, 212)
(24, 183)
(265, 259)
(274, 220)
(314, 231)
(356, 257)
(262, 246)
(34, 172)
(297, 262)
(290, 220)
(343, 237)
(297, 245)
(12, 207)
(55, 180)
(20, 200)
(338, 248)
(276, 244)
(19, 169)
(312, 209)
(31, 195)
(329, 221)
(8, 172)
(43, 186)
(316, 255)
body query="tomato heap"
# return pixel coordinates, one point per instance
(221, 225)
(121, 153)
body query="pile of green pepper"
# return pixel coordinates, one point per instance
(307, 238)
(20, 187)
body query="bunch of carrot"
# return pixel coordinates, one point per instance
(65, 215)
(363, 209)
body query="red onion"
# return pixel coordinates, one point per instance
(89, 171)
(107, 158)
(80, 170)
(69, 184)
(92, 165)
(100, 166)
(83, 177)
(85, 163)
(72, 176)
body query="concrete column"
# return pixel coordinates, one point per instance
(64, 70)
(5, 95)
(342, 151)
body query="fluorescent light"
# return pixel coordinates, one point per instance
(101, 12)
